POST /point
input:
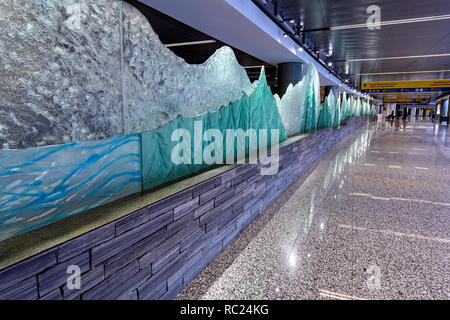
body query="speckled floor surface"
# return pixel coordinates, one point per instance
(369, 220)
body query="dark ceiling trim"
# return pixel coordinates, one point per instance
(317, 29)
(442, 96)
(300, 40)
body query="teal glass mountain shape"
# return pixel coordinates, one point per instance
(255, 111)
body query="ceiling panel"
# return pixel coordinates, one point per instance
(400, 65)
(411, 39)
(416, 8)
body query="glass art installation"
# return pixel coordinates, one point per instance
(325, 119)
(90, 99)
(42, 185)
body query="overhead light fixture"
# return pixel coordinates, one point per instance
(252, 67)
(393, 22)
(192, 43)
(330, 64)
(300, 49)
(402, 57)
(285, 35)
(401, 72)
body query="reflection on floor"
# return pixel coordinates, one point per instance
(369, 220)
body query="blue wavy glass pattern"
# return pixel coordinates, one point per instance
(42, 185)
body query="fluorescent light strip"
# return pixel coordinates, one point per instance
(401, 72)
(393, 22)
(253, 67)
(404, 57)
(192, 43)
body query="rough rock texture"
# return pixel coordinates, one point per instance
(73, 70)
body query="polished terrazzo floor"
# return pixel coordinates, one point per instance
(369, 220)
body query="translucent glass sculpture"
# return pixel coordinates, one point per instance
(373, 111)
(255, 111)
(347, 108)
(41, 185)
(325, 119)
(312, 99)
(159, 86)
(73, 70)
(351, 105)
(358, 111)
(359, 107)
(344, 107)
(292, 107)
(77, 70)
(332, 106)
(90, 99)
(337, 113)
(352, 109)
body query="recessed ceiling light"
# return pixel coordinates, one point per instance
(285, 35)
(300, 49)
(393, 22)
(330, 64)
(252, 67)
(290, 20)
(402, 57)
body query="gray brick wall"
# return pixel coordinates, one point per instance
(156, 251)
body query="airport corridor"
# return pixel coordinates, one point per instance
(368, 220)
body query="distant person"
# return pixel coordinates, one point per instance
(391, 116)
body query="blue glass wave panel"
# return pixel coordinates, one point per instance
(41, 185)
